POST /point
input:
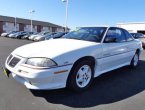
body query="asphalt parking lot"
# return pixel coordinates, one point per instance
(122, 89)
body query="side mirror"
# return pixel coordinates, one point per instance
(110, 39)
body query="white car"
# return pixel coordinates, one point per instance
(74, 60)
(12, 35)
(32, 37)
(139, 36)
(4, 34)
(41, 38)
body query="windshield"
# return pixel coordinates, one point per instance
(137, 35)
(50, 35)
(94, 34)
(43, 33)
(12, 32)
(59, 34)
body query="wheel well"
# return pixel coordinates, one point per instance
(88, 58)
(138, 51)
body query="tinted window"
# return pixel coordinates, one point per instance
(60, 34)
(116, 33)
(128, 36)
(139, 35)
(43, 33)
(94, 34)
(133, 34)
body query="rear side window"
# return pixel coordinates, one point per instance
(128, 36)
(116, 33)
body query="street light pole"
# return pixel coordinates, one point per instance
(66, 16)
(15, 23)
(31, 12)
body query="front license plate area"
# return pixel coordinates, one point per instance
(6, 72)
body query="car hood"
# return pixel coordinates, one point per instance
(15, 34)
(4, 33)
(38, 37)
(11, 34)
(35, 35)
(52, 48)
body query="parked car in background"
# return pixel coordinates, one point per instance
(55, 36)
(37, 35)
(43, 37)
(11, 35)
(141, 37)
(28, 35)
(21, 34)
(74, 60)
(18, 34)
(5, 34)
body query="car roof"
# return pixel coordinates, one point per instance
(103, 26)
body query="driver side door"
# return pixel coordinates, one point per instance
(114, 50)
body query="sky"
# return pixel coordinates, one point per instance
(80, 12)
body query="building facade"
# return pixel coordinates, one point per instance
(138, 27)
(7, 24)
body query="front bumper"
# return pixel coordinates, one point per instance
(40, 79)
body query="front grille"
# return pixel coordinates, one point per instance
(9, 58)
(14, 62)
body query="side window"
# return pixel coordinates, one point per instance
(111, 33)
(115, 35)
(120, 35)
(129, 37)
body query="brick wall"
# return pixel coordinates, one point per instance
(1, 26)
(21, 27)
(54, 29)
(38, 28)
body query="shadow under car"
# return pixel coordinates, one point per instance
(108, 88)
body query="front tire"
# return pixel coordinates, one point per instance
(81, 76)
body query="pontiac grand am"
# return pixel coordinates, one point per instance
(75, 59)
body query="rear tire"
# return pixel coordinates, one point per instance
(81, 76)
(135, 61)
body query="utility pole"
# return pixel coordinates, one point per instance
(31, 12)
(66, 15)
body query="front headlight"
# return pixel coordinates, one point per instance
(41, 62)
